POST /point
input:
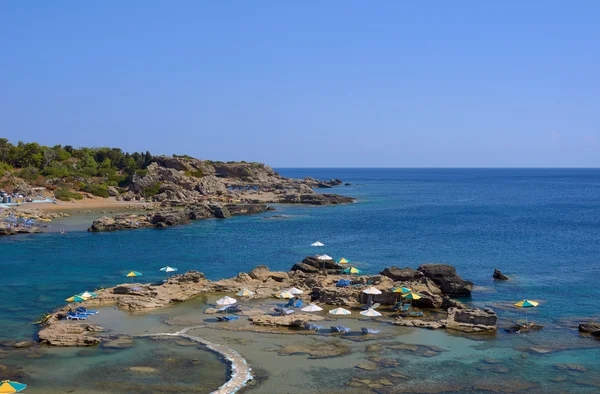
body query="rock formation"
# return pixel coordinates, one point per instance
(446, 278)
(499, 275)
(471, 319)
(590, 328)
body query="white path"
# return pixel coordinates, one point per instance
(241, 373)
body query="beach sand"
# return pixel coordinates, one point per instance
(89, 203)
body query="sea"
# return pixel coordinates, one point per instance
(540, 227)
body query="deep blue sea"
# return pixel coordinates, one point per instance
(541, 227)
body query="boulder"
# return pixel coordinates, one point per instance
(304, 268)
(260, 272)
(211, 185)
(499, 275)
(221, 212)
(446, 278)
(472, 319)
(321, 264)
(432, 325)
(293, 320)
(112, 191)
(402, 274)
(590, 328)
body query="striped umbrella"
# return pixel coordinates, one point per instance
(7, 386)
(411, 296)
(74, 298)
(370, 313)
(526, 304)
(244, 293)
(344, 261)
(87, 294)
(403, 290)
(133, 274)
(351, 270)
(285, 294)
(339, 311)
(311, 308)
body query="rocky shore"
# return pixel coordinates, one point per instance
(174, 216)
(435, 283)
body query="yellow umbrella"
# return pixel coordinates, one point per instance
(403, 290)
(285, 294)
(526, 304)
(412, 296)
(351, 271)
(6, 386)
(133, 274)
(343, 261)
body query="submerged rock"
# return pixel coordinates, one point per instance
(590, 328)
(499, 275)
(472, 320)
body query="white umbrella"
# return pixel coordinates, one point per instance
(168, 269)
(311, 308)
(370, 312)
(285, 294)
(317, 244)
(324, 257)
(295, 291)
(372, 290)
(87, 294)
(340, 311)
(226, 301)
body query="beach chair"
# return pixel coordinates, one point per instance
(405, 307)
(366, 331)
(416, 314)
(397, 306)
(290, 303)
(375, 305)
(339, 329)
(310, 326)
(368, 305)
(227, 318)
(76, 316)
(284, 311)
(83, 311)
(343, 283)
(298, 304)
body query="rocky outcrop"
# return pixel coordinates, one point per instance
(211, 185)
(66, 333)
(5, 230)
(446, 278)
(471, 319)
(432, 325)
(172, 217)
(590, 328)
(263, 274)
(402, 274)
(293, 320)
(312, 264)
(315, 199)
(499, 275)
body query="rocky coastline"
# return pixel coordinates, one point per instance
(435, 283)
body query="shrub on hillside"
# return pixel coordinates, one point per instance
(96, 190)
(66, 195)
(151, 190)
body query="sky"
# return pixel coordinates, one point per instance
(306, 83)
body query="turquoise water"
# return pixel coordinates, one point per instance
(540, 227)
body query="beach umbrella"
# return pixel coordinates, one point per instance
(402, 290)
(370, 313)
(351, 270)
(317, 244)
(133, 274)
(87, 294)
(372, 290)
(226, 301)
(74, 298)
(324, 257)
(295, 291)
(311, 308)
(339, 311)
(285, 294)
(526, 304)
(343, 261)
(411, 296)
(168, 269)
(244, 293)
(7, 386)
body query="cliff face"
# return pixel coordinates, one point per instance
(173, 180)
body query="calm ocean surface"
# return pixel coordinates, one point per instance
(540, 227)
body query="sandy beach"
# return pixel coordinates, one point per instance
(89, 203)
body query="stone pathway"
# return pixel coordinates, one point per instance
(240, 371)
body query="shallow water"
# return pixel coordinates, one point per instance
(540, 227)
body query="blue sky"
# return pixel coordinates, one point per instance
(309, 84)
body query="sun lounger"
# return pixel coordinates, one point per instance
(76, 316)
(310, 326)
(368, 305)
(366, 331)
(229, 308)
(290, 303)
(375, 305)
(405, 307)
(343, 283)
(83, 311)
(416, 314)
(284, 311)
(397, 306)
(339, 329)
(227, 318)
(298, 304)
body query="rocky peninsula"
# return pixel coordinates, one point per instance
(435, 283)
